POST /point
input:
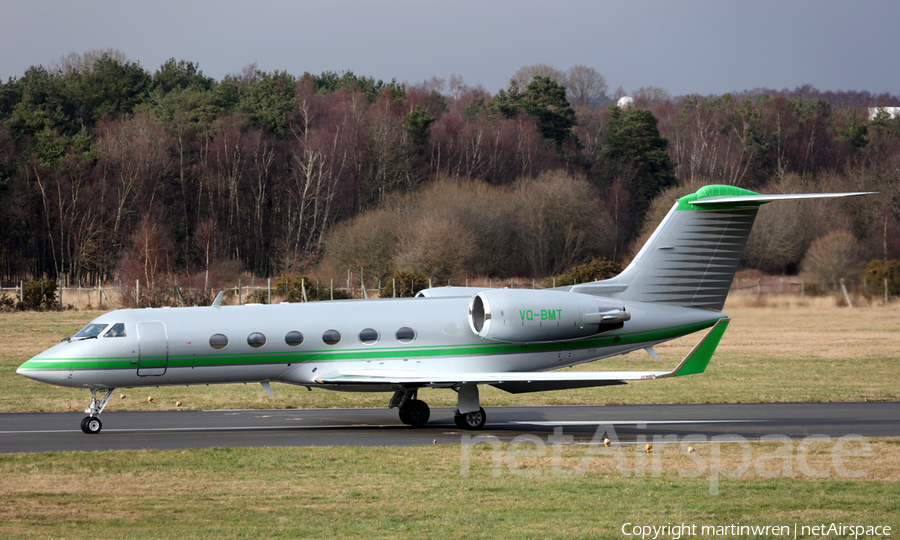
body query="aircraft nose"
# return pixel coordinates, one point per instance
(28, 370)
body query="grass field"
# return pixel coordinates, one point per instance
(784, 353)
(421, 493)
(778, 352)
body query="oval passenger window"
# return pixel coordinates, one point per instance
(368, 336)
(218, 341)
(406, 334)
(293, 338)
(256, 339)
(331, 337)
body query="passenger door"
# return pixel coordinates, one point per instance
(153, 348)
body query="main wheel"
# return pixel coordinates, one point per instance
(416, 413)
(473, 420)
(459, 420)
(91, 425)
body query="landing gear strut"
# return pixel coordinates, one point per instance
(92, 424)
(474, 416)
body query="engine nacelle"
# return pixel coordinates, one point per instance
(526, 316)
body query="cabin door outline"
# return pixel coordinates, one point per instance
(153, 348)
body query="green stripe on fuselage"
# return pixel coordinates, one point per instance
(281, 357)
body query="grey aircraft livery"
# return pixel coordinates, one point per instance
(446, 337)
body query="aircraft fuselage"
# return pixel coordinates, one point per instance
(294, 343)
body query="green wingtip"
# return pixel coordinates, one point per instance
(714, 190)
(699, 358)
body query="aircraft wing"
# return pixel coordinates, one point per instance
(518, 382)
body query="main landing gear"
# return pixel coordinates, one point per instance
(471, 420)
(414, 412)
(92, 424)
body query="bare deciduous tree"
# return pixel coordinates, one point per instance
(650, 95)
(525, 74)
(84, 62)
(781, 235)
(324, 158)
(149, 258)
(585, 87)
(135, 157)
(536, 226)
(832, 257)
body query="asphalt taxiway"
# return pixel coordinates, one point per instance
(45, 432)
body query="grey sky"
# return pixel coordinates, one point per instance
(686, 46)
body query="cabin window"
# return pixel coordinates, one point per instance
(218, 341)
(256, 339)
(369, 336)
(293, 338)
(116, 330)
(331, 337)
(89, 331)
(406, 334)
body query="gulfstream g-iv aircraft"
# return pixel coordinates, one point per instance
(448, 337)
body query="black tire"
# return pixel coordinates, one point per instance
(473, 420)
(91, 425)
(417, 412)
(404, 415)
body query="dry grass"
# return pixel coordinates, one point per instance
(797, 459)
(419, 492)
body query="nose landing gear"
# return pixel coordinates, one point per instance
(91, 424)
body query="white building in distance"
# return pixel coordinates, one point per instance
(625, 102)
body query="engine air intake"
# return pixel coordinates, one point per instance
(523, 316)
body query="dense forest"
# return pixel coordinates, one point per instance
(109, 171)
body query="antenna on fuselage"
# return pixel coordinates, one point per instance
(217, 303)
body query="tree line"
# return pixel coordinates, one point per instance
(107, 169)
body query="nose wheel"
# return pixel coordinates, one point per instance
(91, 424)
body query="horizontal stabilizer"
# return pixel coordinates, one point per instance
(756, 200)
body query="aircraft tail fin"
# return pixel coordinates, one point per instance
(691, 258)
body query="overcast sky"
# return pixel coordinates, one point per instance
(683, 46)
